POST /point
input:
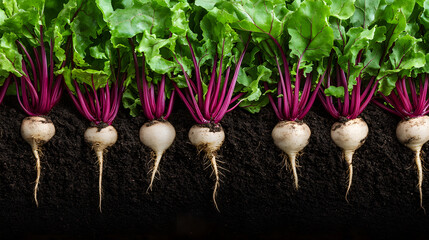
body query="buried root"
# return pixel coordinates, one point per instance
(100, 152)
(37, 154)
(291, 165)
(100, 139)
(420, 176)
(211, 161)
(348, 156)
(36, 131)
(156, 158)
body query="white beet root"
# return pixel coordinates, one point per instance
(100, 138)
(36, 131)
(349, 136)
(414, 133)
(210, 142)
(291, 137)
(158, 136)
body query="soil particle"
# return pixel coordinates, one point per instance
(212, 126)
(46, 119)
(99, 126)
(337, 125)
(153, 122)
(409, 140)
(343, 119)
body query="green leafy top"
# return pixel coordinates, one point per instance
(304, 25)
(158, 28)
(95, 60)
(403, 54)
(155, 25)
(373, 40)
(296, 34)
(21, 20)
(311, 38)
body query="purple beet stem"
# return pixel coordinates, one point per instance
(213, 107)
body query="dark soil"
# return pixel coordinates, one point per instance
(256, 196)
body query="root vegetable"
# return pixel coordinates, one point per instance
(411, 104)
(350, 131)
(414, 133)
(209, 140)
(100, 105)
(209, 106)
(36, 131)
(37, 91)
(158, 136)
(100, 139)
(349, 136)
(291, 137)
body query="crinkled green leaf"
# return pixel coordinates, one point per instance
(52, 9)
(388, 82)
(2, 16)
(341, 9)
(396, 14)
(85, 27)
(243, 78)
(97, 52)
(311, 36)
(339, 32)
(264, 74)
(179, 19)
(60, 29)
(149, 16)
(424, 17)
(337, 92)
(405, 54)
(393, 7)
(131, 100)
(365, 40)
(253, 88)
(254, 16)
(10, 58)
(218, 36)
(425, 68)
(22, 17)
(105, 7)
(365, 13)
(152, 47)
(372, 57)
(87, 75)
(255, 106)
(206, 4)
(358, 39)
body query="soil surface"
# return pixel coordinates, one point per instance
(256, 196)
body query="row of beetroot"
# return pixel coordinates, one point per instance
(216, 56)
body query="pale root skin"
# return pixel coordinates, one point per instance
(36, 131)
(349, 136)
(100, 139)
(158, 136)
(414, 133)
(291, 137)
(209, 142)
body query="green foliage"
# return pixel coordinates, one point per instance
(311, 37)
(377, 36)
(21, 20)
(337, 92)
(387, 38)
